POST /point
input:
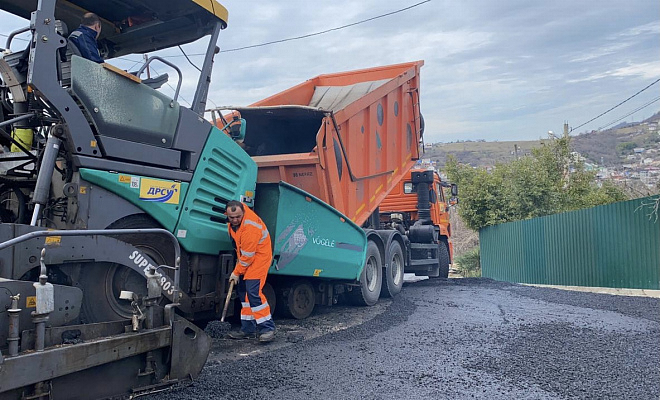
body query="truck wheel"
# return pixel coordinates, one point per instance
(101, 283)
(371, 279)
(297, 300)
(393, 274)
(443, 263)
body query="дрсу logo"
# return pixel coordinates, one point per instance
(159, 191)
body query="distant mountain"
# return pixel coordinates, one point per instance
(608, 148)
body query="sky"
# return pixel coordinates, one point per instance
(494, 70)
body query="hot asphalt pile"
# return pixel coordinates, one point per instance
(462, 338)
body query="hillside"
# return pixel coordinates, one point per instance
(606, 148)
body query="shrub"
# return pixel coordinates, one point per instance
(469, 264)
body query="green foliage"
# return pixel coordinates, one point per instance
(548, 181)
(625, 147)
(469, 264)
(652, 139)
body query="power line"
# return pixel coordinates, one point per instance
(127, 59)
(630, 113)
(135, 63)
(601, 114)
(327, 30)
(315, 33)
(188, 58)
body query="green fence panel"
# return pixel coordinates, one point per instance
(615, 245)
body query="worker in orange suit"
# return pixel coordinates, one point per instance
(254, 255)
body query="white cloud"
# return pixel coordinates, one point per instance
(652, 28)
(600, 52)
(650, 70)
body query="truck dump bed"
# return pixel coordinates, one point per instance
(345, 138)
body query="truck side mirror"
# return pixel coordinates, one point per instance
(237, 129)
(454, 190)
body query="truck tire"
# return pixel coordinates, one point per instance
(296, 300)
(102, 282)
(393, 273)
(443, 259)
(371, 279)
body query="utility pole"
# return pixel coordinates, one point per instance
(515, 151)
(565, 129)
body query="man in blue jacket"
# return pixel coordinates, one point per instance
(85, 37)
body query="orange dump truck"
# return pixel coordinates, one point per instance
(345, 141)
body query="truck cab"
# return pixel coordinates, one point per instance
(401, 210)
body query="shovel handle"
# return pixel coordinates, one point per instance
(224, 310)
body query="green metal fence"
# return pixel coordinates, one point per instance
(615, 245)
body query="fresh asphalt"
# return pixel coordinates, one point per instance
(453, 339)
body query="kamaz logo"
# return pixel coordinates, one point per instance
(159, 191)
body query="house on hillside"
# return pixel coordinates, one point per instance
(649, 176)
(577, 157)
(638, 150)
(604, 173)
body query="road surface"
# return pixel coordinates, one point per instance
(454, 339)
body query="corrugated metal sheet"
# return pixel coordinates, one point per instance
(615, 245)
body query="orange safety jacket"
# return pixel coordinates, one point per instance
(253, 247)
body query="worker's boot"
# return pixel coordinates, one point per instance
(267, 336)
(242, 335)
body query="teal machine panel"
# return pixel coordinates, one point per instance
(310, 238)
(193, 211)
(159, 198)
(224, 172)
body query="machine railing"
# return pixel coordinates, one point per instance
(178, 71)
(110, 232)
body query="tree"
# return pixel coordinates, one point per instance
(626, 147)
(548, 181)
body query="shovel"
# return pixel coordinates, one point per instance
(224, 310)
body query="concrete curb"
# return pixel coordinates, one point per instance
(614, 291)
